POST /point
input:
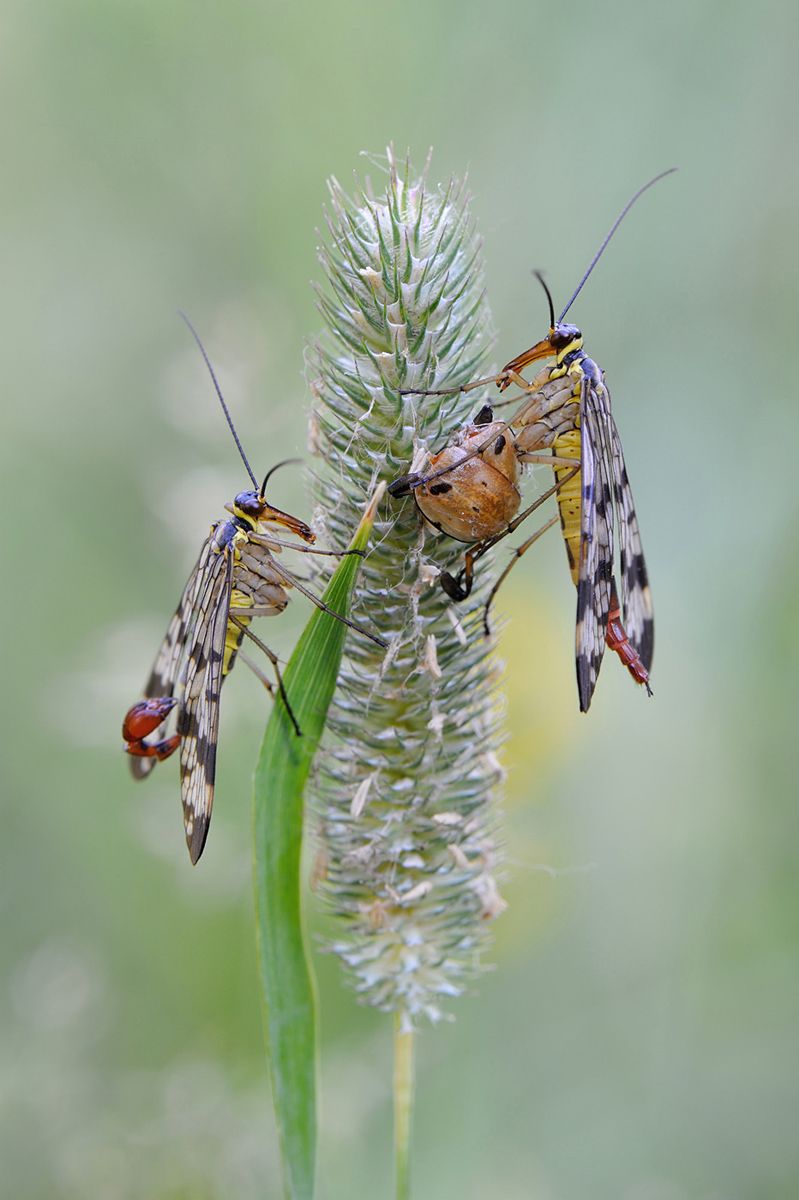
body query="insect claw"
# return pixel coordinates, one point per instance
(453, 586)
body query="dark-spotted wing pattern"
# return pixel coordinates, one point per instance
(166, 668)
(596, 545)
(636, 598)
(198, 713)
(607, 499)
(190, 660)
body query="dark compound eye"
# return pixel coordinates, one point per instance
(499, 444)
(563, 335)
(249, 502)
(440, 489)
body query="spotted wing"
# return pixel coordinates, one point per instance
(636, 597)
(198, 714)
(596, 545)
(166, 667)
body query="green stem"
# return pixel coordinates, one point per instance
(403, 1106)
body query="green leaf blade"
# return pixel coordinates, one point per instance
(289, 992)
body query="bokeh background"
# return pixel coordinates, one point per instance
(638, 1037)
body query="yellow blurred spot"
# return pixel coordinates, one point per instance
(536, 645)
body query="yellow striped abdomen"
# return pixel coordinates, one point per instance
(567, 445)
(233, 633)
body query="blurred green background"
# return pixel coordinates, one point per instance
(638, 1038)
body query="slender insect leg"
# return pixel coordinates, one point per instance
(522, 516)
(517, 554)
(257, 672)
(266, 540)
(412, 481)
(270, 654)
(528, 389)
(549, 460)
(453, 391)
(502, 379)
(514, 525)
(506, 377)
(257, 610)
(459, 587)
(320, 604)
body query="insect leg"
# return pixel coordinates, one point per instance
(507, 376)
(530, 408)
(459, 587)
(535, 386)
(270, 654)
(531, 508)
(549, 460)
(517, 554)
(267, 541)
(256, 670)
(453, 391)
(294, 582)
(405, 484)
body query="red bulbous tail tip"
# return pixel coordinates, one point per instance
(140, 720)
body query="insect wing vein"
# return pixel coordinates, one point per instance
(596, 547)
(635, 594)
(198, 717)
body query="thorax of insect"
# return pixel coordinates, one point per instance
(563, 436)
(258, 585)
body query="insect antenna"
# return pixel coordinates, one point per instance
(284, 462)
(610, 234)
(228, 417)
(543, 283)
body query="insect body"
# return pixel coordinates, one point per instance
(591, 501)
(475, 500)
(237, 577)
(564, 418)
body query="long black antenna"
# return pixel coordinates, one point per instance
(284, 462)
(196, 337)
(543, 283)
(610, 234)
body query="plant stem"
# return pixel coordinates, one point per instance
(403, 1106)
